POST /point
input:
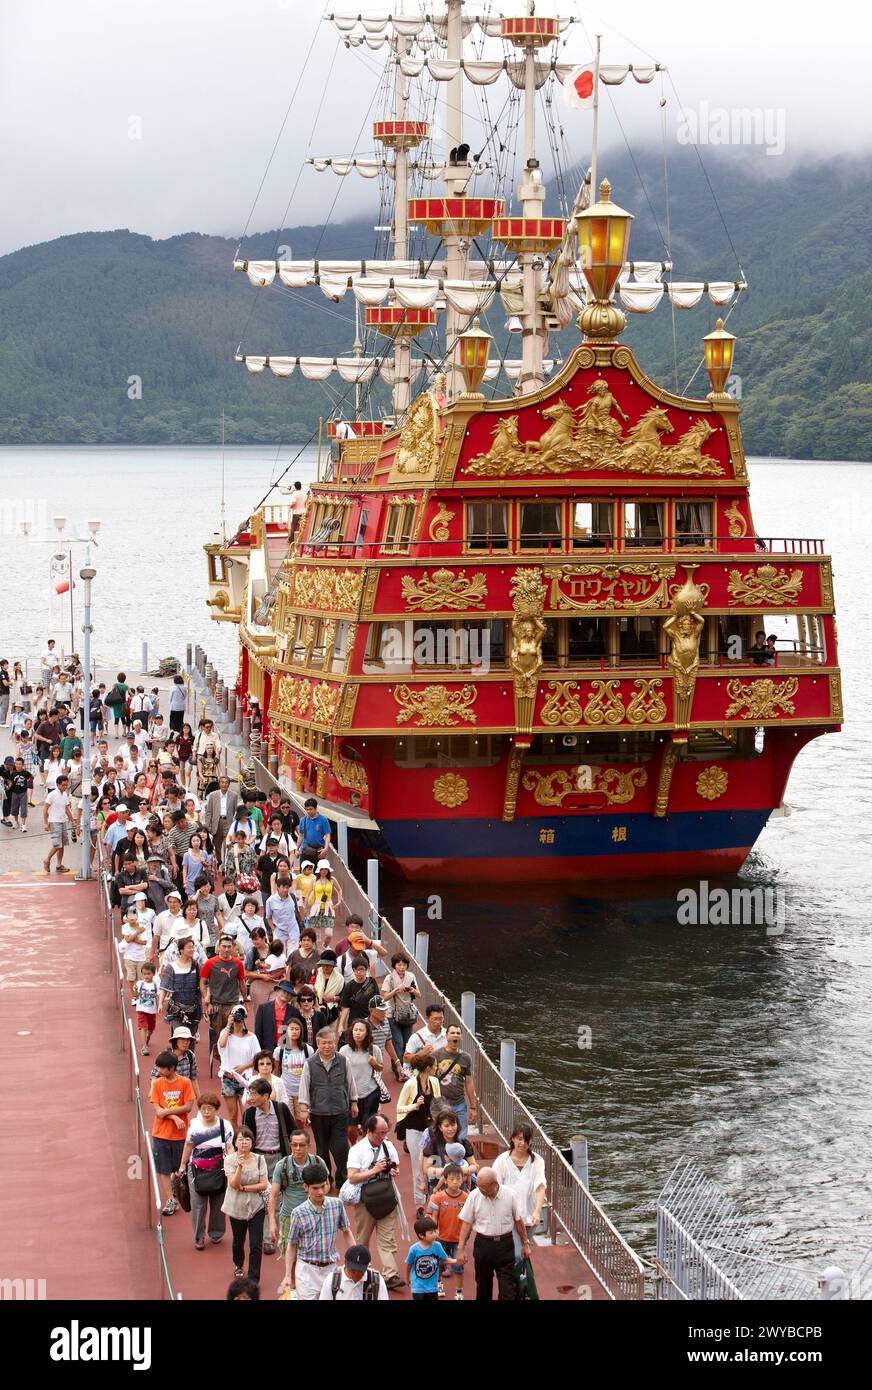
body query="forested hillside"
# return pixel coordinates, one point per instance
(82, 316)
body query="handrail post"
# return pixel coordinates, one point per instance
(409, 929)
(372, 890)
(422, 949)
(508, 1052)
(467, 1010)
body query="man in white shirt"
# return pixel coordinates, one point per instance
(63, 690)
(165, 923)
(355, 1282)
(428, 1040)
(140, 736)
(369, 1158)
(48, 662)
(57, 821)
(491, 1212)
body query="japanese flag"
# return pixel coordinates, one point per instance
(578, 88)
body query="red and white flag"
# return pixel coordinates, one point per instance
(578, 88)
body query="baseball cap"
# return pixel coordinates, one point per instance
(122, 806)
(174, 894)
(376, 1002)
(456, 1153)
(327, 958)
(285, 985)
(357, 1257)
(138, 897)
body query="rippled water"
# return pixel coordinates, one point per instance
(750, 1052)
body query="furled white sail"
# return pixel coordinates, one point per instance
(369, 168)
(363, 369)
(484, 73)
(427, 23)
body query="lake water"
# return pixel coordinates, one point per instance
(750, 1052)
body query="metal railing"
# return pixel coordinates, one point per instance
(551, 548)
(127, 1042)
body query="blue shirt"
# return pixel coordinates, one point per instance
(314, 829)
(423, 1262)
(282, 913)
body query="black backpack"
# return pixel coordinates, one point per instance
(370, 1285)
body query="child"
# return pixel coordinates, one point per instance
(136, 941)
(20, 786)
(145, 1002)
(19, 719)
(445, 1206)
(423, 1260)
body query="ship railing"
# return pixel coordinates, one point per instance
(145, 1166)
(546, 548)
(572, 1214)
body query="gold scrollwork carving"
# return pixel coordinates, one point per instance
(604, 705)
(617, 785)
(370, 585)
(562, 705)
(450, 790)
(513, 774)
(349, 774)
(590, 437)
(435, 706)
(324, 699)
(647, 706)
(610, 586)
(348, 586)
(761, 699)
(304, 691)
(738, 525)
(287, 695)
(711, 783)
(664, 780)
(418, 445)
(438, 528)
(345, 711)
(764, 586)
(826, 573)
(444, 588)
(836, 709)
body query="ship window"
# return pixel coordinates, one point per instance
(588, 639)
(473, 645)
(732, 631)
(643, 523)
(577, 749)
(340, 647)
(398, 527)
(549, 641)
(637, 639)
(540, 525)
(592, 524)
(463, 750)
(693, 523)
(217, 569)
(361, 527)
(487, 526)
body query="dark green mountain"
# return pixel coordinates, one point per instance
(82, 315)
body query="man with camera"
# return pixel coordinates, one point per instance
(373, 1163)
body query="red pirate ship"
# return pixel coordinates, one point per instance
(520, 631)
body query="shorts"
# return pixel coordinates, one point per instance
(167, 1154)
(60, 833)
(134, 970)
(145, 1022)
(229, 1087)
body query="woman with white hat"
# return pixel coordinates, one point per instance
(323, 899)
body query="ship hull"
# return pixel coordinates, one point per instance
(589, 847)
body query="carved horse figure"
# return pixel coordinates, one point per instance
(557, 445)
(686, 455)
(643, 445)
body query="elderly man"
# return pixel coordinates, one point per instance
(328, 1095)
(219, 808)
(491, 1212)
(370, 1158)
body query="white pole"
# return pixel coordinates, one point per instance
(507, 1062)
(402, 347)
(455, 187)
(372, 882)
(467, 1010)
(594, 191)
(87, 574)
(422, 949)
(409, 929)
(578, 1145)
(342, 837)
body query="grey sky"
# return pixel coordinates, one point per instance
(209, 80)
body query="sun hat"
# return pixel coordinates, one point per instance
(183, 1032)
(322, 864)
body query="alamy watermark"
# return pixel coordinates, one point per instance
(733, 125)
(405, 646)
(22, 1290)
(732, 907)
(78, 1343)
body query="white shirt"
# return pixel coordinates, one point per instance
(164, 923)
(142, 740)
(56, 806)
(351, 1290)
(237, 1052)
(491, 1216)
(362, 1155)
(424, 1038)
(222, 814)
(524, 1181)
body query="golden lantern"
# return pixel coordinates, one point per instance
(719, 359)
(603, 242)
(473, 348)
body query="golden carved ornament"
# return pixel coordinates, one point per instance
(765, 586)
(444, 588)
(324, 698)
(320, 780)
(418, 445)
(370, 585)
(304, 691)
(664, 780)
(711, 783)
(348, 586)
(761, 699)
(590, 437)
(450, 789)
(836, 709)
(617, 785)
(826, 579)
(435, 706)
(438, 529)
(738, 526)
(347, 702)
(562, 705)
(350, 639)
(684, 628)
(513, 774)
(609, 586)
(348, 773)
(604, 705)
(647, 706)
(287, 695)
(528, 629)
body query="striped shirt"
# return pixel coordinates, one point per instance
(314, 1229)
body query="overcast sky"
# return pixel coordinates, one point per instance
(160, 115)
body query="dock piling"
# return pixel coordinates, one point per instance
(508, 1052)
(422, 948)
(144, 667)
(409, 929)
(578, 1146)
(467, 1010)
(342, 839)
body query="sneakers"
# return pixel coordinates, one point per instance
(169, 1207)
(395, 1282)
(440, 1290)
(199, 1243)
(145, 1052)
(458, 1297)
(5, 821)
(24, 829)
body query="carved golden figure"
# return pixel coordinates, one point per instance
(761, 699)
(684, 628)
(765, 586)
(435, 706)
(528, 629)
(418, 444)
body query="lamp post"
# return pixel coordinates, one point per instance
(719, 345)
(472, 356)
(603, 242)
(86, 574)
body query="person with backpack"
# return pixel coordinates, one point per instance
(373, 1164)
(287, 1190)
(209, 1140)
(355, 1281)
(116, 703)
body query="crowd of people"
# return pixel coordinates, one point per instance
(231, 926)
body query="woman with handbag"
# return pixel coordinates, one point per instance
(241, 860)
(180, 987)
(209, 1141)
(366, 1063)
(247, 1180)
(399, 990)
(413, 1117)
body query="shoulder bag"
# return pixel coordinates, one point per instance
(209, 1175)
(378, 1195)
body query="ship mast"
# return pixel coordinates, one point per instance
(532, 195)
(456, 178)
(402, 343)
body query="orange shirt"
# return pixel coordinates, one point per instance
(169, 1095)
(447, 1216)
